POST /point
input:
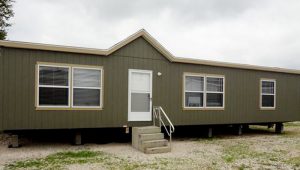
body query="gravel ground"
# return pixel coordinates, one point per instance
(261, 149)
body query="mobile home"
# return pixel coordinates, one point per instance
(61, 87)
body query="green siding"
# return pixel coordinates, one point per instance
(17, 88)
(1, 89)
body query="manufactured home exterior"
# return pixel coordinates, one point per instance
(57, 87)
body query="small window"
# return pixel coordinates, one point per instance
(201, 91)
(268, 93)
(86, 87)
(53, 86)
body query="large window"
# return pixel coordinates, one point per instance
(267, 93)
(203, 91)
(69, 87)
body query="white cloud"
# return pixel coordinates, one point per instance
(262, 32)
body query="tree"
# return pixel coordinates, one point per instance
(6, 13)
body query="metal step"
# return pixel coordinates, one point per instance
(153, 143)
(151, 136)
(163, 149)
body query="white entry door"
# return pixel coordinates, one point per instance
(139, 95)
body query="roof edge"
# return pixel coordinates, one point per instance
(236, 65)
(141, 33)
(50, 47)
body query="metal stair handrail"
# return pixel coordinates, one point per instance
(158, 111)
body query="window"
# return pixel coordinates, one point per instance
(268, 93)
(203, 91)
(55, 89)
(194, 90)
(214, 92)
(54, 86)
(86, 87)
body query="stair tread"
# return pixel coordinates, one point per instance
(149, 134)
(156, 140)
(159, 149)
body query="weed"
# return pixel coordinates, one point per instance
(295, 161)
(59, 159)
(292, 124)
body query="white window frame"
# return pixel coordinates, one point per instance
(192, 91)
(70, 87)
(204, 91)
(99, 88)
(50, 86)
(215, 92)
(261, 93)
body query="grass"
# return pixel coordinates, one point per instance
(294, 161)
(232, 153)
(292, 124)
(62, 159)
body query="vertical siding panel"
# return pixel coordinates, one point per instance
(25, 90)
(12, 91)
(121, 93)
(5, 92)
(115, 95)
(18, 83)
(31, 90)
(176, 97)
(109, 115)
(1, 88)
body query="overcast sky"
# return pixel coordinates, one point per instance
(261, 32)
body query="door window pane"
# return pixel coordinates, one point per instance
(86, 77)
(55, 76)
(193, 83)
(140, 102)
(86, 97)
(140, 82)
(53, 96)
(193, 99)
(214, 99)
(214, 84)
